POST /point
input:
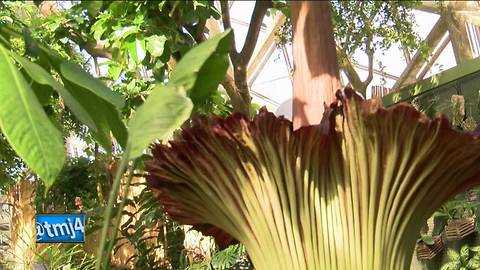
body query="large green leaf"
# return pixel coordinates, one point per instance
(164, 111)
(136, 48)
(106, 116)
(26, 126)
(76, 75)
(101, 104)
(125, 32)
(473, 263)
(100, 116)
(156, 44)
(43, 92)
(203, 67)
(38, 74)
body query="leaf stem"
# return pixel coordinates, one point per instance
(108, 212)
(120, 212)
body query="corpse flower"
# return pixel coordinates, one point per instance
(349, 193)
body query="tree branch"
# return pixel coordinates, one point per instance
(234, 95)
(97, 67)
(200, 28)
(406, 53)
(229, 83)
(370, 65)
(96, 49)
(239, 90)
(349, 33)
(226, 25)
(370, 54)
(349, 69)
(259, 11)
(197, 30)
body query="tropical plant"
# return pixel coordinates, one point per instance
(232, 257)
(149, 123)
(427, 239)
(77, 179)
(149, 233)
(143, 41)
(334, 196)
(456, 209)
(467, 258)
(61, 256)
(73, 25)
(281, 195)
(134, 51)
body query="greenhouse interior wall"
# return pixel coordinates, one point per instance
(434, 95)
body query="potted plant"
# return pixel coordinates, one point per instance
(429, 246)
(461, 218)
(473, 195)
(467, 258)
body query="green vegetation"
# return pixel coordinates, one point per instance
(145, 87)
(468, 258)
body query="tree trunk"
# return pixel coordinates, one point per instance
(315, 78)
(234, 94)
(22, 224)
(239, 91)
(240, 75)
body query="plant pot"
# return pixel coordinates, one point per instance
(472, 195)
(427, 252)
(457, 229)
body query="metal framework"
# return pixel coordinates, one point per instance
(458, 79)
(465, 41)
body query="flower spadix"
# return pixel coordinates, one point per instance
(349, 193)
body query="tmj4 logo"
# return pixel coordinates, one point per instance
(60, 228)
